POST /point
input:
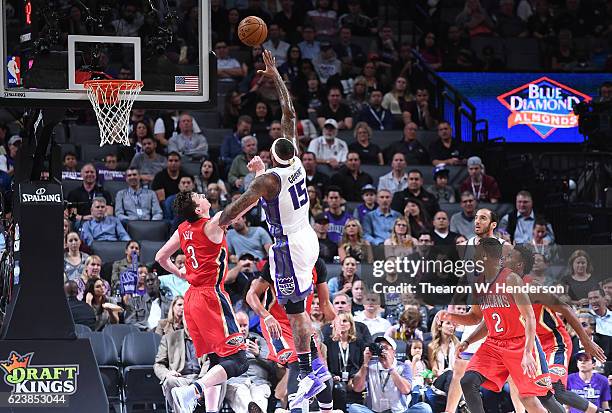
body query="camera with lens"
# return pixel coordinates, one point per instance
(375, 349)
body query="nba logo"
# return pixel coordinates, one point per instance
(13, 70)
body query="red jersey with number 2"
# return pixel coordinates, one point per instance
(500, 312)
(206, 264)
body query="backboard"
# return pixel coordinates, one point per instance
(50, 47)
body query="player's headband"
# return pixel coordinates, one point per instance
(278, 158)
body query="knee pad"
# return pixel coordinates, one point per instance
(235, 364)
(471, 380)
(569, 398)
(295, 308)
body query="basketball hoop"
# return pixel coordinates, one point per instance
(112, 101)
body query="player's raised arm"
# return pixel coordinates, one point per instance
(288, 120)
(266, 186)
(590, 347)
(165, 252)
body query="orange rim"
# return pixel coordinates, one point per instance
(107, 91)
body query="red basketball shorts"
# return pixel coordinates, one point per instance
(281, 350)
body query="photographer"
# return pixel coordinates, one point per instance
(344, 357)
(388, 382)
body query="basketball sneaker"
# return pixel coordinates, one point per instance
(185, 398)
(308, 388)
(320, 370)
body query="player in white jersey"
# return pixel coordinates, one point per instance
(282, 192)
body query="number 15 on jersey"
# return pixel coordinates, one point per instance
(298, 193)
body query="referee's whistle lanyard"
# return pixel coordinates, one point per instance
(379, 119)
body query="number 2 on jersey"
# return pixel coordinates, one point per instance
(497, 319)
(299, 195)
(191, 251)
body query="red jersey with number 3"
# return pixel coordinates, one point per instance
(205, 263)
(500, 312)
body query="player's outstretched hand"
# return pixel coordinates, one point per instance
(256, 165)
(444, 315)
(529, 365)
(270, 62)
(273, 328)
(594, 350)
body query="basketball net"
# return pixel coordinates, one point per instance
(112, 101)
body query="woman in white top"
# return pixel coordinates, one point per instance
(397, 97)
(442, 347)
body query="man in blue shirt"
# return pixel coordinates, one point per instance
(101, 227)
(374, 114)
(377, 225)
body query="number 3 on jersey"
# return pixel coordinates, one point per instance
(497, 319)
(299, 195)
(191, 251)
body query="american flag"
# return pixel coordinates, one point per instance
(186, 83)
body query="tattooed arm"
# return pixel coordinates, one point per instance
(288, 120)
(266, 186)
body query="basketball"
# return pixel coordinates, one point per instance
(252, 31)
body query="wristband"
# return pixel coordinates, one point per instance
(269, 316)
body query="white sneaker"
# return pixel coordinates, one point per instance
(185, 398)
(308, 388)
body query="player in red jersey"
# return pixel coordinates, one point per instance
(275, 324)
(511, 348)
(208, 309)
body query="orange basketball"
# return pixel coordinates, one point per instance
(252, 31)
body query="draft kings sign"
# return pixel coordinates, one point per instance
(27, 378)
(543, 105)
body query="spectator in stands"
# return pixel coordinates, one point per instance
(189, 144)
(397, 179)
(242, 239)
(414, 152)
(347, 51)
(377, 117)
(232, 108)
(577, 17)
(93, 266)
(564, 56)
(386, 47)
(148, 162)
(323, 19)
(176, 363)
(394, 395)
(540, 271)
(441, 350)
(357, 22)
(353, 243)
(541, 23)
(368, 196)
(74, 259)
(397, 98)
(429, 50)
(400, 242)
(342, 304)
(328, 149)
(378, 224)
(508, 24)
(276, 45)
(440, 188)
(290, 20)
(455, 42)
(174, 320)
(344, 360)
(232, 146)
(141, 130)
(135, 202)
(228, 68)
(327, 248)
(167, 126)
(441, 233)
(484, 187)
(309, 46)
(170, 282)
(417, 217)
(335, 109)
(408, 326)
(372, 77)
(358, 98)
(251, 390)
(540, 243)
(313, 177)
(369, 153)
(519, 223)
(370, 316)
(463, 222)
(262, 118)
(83, 195)
(446, 150)
(102, 227)
(209, 174)
(239, 277)
(315, 205)
(335, 213)
(415, 190)
(343, 283)
(145, 311)
(106, 309)
(132, 248)
(166, 181)
(130, 21)
(239, 169)
(350, 178)
(580, 278)
(326, 63)
(599, 309)
(605, 90)
(186, 184)
(475, 19)
(130, 287)
(290, 69)
(69, 163)
(525, 9)
(588, 384)
(358, 293)
(420, 110)
(82, 313)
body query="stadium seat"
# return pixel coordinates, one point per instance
(192, 168)
(81, 330)
(140, 383)
(84, 134)
(68, 147)
(69, 185)
(206, 119)
(148, 230)
(95, 152)
(114, 186)
(109, 251)
(215, 136)
(108, 363)
(427, 137)
(148, 249)
(59, 133)
(375, 171)
(117, 333)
